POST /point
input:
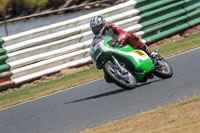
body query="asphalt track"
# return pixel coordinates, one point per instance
(96, 103)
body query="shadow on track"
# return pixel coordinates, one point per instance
(110, 93)
(98, 96)
(146, 83)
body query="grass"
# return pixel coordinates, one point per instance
(179, 46)
(87, 75)
(178, 118)
(50, 87)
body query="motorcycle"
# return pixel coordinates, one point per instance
(125, 65)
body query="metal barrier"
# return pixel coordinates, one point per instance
(48, 49)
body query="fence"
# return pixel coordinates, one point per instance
(31, 54)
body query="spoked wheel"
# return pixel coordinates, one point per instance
(163, 69)
(125, 80)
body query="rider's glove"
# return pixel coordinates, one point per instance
(153, 54)
(118, 41)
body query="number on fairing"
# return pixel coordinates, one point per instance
(96, 52)
(140, 53)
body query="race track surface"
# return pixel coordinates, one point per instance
(98, 102)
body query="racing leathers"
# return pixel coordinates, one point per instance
(127, 38)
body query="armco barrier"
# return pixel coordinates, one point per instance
(48, 49)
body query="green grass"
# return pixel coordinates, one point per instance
(87, 75)
(50, 87)
(180, 46)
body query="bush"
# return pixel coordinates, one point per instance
(16, 7)
(4, 4)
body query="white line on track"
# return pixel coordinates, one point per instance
(84, 83)
(183, 52)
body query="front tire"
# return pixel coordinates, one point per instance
(126, 81)
(163, 71)
(108, 79)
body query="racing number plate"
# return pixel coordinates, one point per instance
(96, 52)
(140, 53)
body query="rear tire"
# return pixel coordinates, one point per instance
(164, 71)
(126, 81)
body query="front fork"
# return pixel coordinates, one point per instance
(157, 59)
(121, 69)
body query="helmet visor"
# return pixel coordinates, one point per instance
(96, 29)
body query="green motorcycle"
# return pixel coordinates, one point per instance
(125, 65)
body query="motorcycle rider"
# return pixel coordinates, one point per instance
(99, 29)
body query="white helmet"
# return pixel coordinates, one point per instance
(97, 24)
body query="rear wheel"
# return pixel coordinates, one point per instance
(163, 69)
(126, 81)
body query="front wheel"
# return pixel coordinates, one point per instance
(126, 81)
(163, 69)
